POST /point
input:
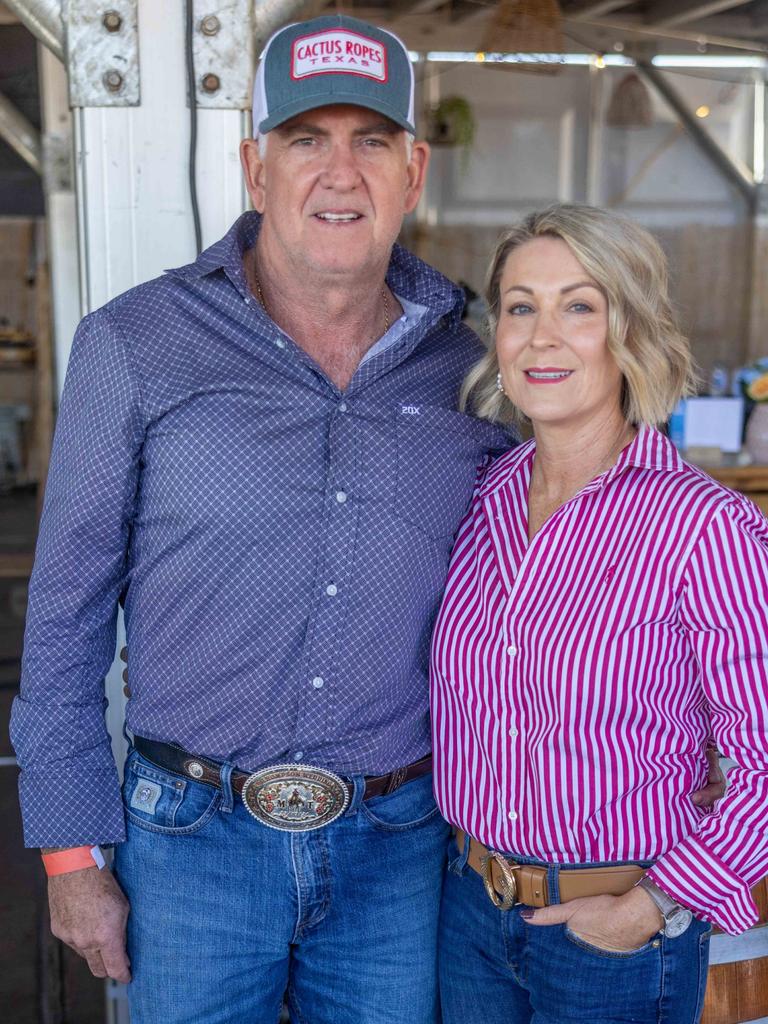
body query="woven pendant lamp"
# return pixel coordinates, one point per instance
(524, 26)
(630, 105)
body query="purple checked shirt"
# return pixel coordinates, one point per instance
(280, 546)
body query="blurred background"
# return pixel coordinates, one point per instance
(109, 174)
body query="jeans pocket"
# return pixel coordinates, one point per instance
(653, 944)
(410, 806)
(160, 801)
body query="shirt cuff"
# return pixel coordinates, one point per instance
(696, 878)
(71, 805)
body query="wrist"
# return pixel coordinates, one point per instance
(76, 858)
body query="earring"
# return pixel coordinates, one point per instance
(499, 385)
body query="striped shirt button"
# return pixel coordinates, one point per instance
(513, 732)
(512, 815)
(511, 650)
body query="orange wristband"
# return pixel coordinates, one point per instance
(80, 857)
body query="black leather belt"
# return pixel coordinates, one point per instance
(204, 769)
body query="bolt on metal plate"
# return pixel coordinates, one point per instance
(103, 53)
(223, 53)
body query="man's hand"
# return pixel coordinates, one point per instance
(716, 782)
(616, 923)
(89, 912)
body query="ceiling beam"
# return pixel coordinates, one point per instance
(594, 9)
(20, 134)
(679, 12)
(627, 27)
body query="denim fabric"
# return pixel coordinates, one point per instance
(497, 969)
(227, 915)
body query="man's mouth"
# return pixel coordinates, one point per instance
(338, 218)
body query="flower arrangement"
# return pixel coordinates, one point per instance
(753, 380)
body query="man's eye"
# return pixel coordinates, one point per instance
(308, 141)
(374, 142)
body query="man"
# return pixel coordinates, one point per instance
(259, 454)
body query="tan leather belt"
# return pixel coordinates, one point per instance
(508, 883)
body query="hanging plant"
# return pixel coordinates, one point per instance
(452, 123)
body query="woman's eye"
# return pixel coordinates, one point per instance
(519, 309)
(581, 307)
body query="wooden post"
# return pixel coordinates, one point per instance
(757, 306)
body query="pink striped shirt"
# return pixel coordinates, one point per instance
(577, 679)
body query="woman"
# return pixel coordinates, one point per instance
(606, 613)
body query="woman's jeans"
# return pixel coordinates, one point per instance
(496, 969)
(227, 914)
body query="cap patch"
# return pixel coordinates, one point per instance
(338, 50)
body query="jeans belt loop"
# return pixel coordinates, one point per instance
(227, 795)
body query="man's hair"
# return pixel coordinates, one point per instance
(629, 266)
(262, 141)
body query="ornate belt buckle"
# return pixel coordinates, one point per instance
(295, 797)
(508, 897)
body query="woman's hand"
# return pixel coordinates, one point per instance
(716, 782)
(616, 923)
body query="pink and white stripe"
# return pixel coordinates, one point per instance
(576, 679)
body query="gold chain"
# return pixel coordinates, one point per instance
(384, 296)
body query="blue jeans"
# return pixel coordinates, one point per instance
(497, 969)
(228, 915)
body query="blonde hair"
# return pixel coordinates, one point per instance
(629, 265)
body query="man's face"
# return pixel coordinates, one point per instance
(334, 186)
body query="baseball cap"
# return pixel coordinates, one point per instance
(330, 60)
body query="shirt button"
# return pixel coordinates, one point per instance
(513, 732)
(331, 590)
(318, 682)
(512, 815)
(298, 755)
(280, 342)
(341, 497)
(511, 650)
(343, 406)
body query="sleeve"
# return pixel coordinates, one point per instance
(68, 787)
(724, 609)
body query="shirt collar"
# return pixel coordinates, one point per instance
(407, 275)
(650, 450)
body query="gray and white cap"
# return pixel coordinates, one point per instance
(331, 60)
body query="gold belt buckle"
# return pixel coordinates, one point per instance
(508, 897)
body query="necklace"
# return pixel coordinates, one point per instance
(384, 296)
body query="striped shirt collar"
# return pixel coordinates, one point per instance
(650, 450)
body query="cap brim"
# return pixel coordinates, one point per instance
(300, 106)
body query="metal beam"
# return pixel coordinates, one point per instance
(732, 172)
(594, 9)
(678, 12)
(627, 26)
(20, 135)
(270, 15)
(43, 19)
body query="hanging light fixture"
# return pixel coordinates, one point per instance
(630, 105)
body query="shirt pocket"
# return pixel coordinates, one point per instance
(438, 456)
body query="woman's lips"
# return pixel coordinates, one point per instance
(547, 375)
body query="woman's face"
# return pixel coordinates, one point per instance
(551, 338)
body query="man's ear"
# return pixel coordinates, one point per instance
(253, 172)
(417, 174)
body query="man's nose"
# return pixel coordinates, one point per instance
(341, 170)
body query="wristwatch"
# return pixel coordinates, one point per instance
(676, 918)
